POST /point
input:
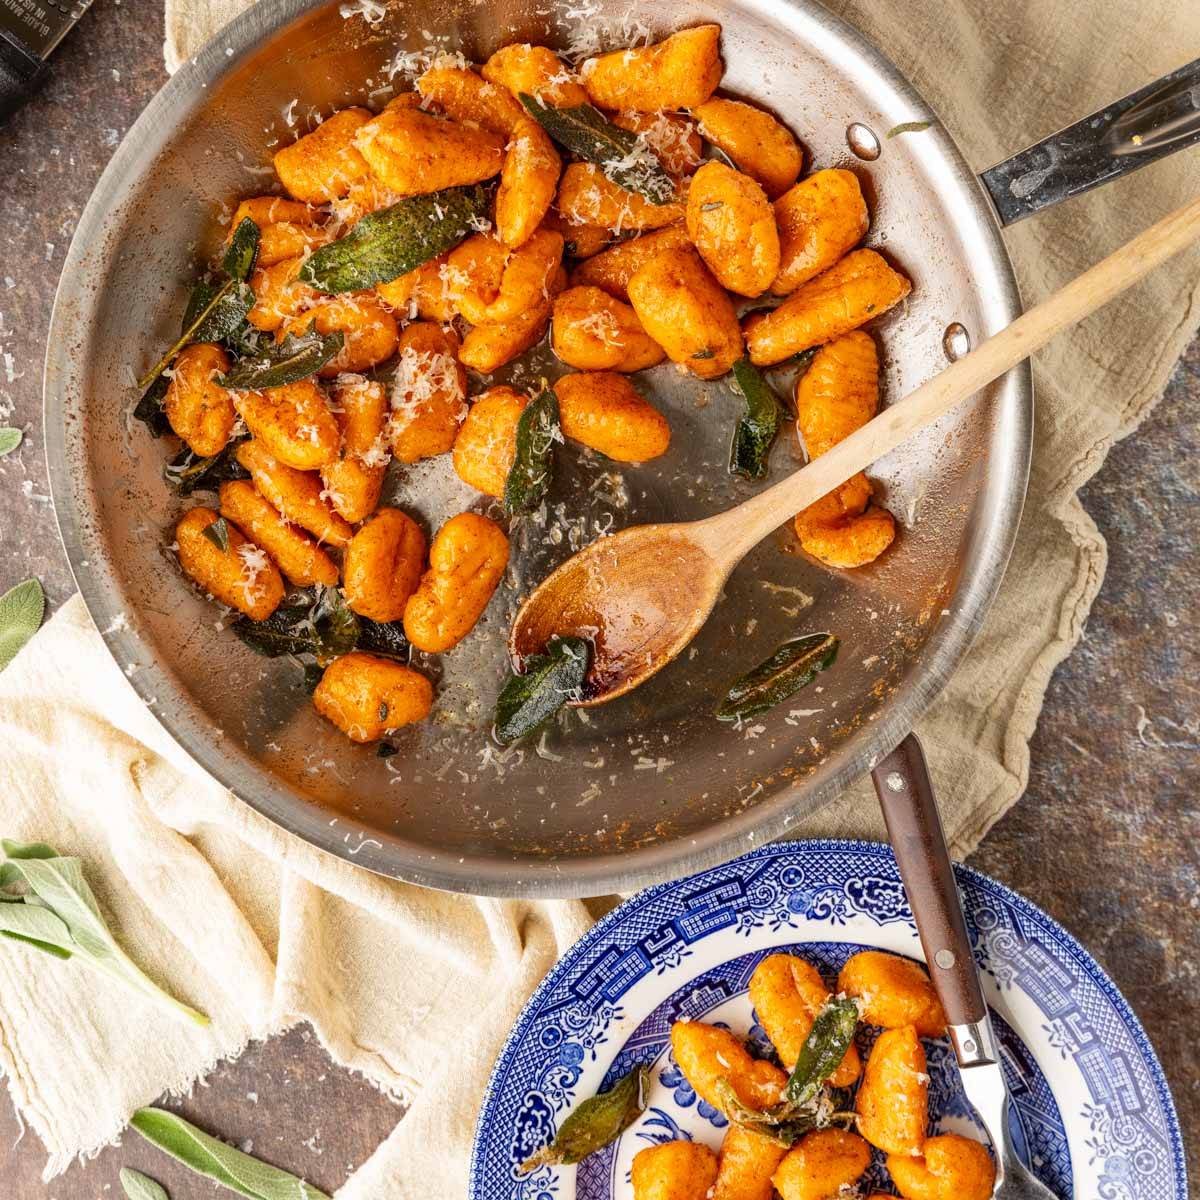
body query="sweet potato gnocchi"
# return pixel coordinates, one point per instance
(617, 210)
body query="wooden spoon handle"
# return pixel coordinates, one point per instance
(729, 535)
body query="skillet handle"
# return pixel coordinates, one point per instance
(1141, 128)
(906, 796)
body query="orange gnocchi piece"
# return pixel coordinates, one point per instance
(674, 1171)
(745, 1166)
(671, 137)
(855, 290)
(365, 696)
(707, 1054)
(580, 239)
(893, 992)
(732, 224)
(325, 164)
(680, 72)
(788, 994)
(822, 1165)
(538, 72)
(241, 577)
(297, 495)
(383, 565)
(293, 422)
(820, 219)
(528, 182)
(893, 1098)
(413, 152)
(524, 280)
(429, 396)
(612, 269)
(466, 97)
(486, 348)
(427, 291)
(586, 196)
(952, 1168)
(486, 444)
(286, 228)
(353, 483)
(687, 312)
(298, 557)
(199, 409)
(604, 411)
(593, 331)
(279, 294)
(759, 145)
(368, 329)
(466, 563)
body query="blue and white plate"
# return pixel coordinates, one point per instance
(1096, 1119)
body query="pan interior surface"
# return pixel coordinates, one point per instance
(651, 785)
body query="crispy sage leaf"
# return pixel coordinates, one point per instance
(21, 611)
(385, 639)
(823, 1049)
(149, 409)
(754, 435)
(783, 1128)
(595, 1123)
(623, 156)
(297, 357)
(242, 253)
(187, 472)
(241, 1173)
(137, 1186)
(50, 881)
(326, 629)
(794, 665)
(218, 534)
(533, 463)
(528, 701)
(214, 315)
(395, 240)
(10, 439)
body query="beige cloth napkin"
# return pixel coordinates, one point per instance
(262, 931)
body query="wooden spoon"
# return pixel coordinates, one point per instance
(642, 594)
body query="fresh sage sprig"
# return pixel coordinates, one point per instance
(550, 680)
(595, 1123)
(533, 461)
(755, 432)
(215, 311)
(239, 1172)
(793, 666)
(621, 155)
(137, 1186)
(21, 611)
(49, 905)
(10, 439)
(392, 241)
(276, 364)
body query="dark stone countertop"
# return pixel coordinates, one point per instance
(1107, 838)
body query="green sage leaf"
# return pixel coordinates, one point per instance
(297, 357)
(21, 611)
(58, 884)
(395, 240)
(754, 435)
(36, 926)
(212, 314)
(218, 534)
(595, 1123)
(550, 680)
(188, 472)
(781, 1124)
(326, 629)
(241, 1173)
(793, 666)
(533, 462)
(623, 156)
(385, 639)
(242, 253)
(141, 1187)
(10, 439)
(823, 1049)
(149, 409)
(27, 849)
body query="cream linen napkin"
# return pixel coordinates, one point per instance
(262, 931)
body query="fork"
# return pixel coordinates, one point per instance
(906, 796)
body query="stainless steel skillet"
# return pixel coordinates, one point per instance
(651, 787)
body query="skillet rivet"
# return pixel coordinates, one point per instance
(944, 959)
(956, 341)
(864, 141)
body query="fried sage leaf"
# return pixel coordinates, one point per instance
(326, 629)
(533, 463)
(756, 429)
(386, 639)
(623, 156)
(149, 409)
(242, 252)
(218, 534)
(35, 878)
(528, 701)
(595, 1123)
(395, 240)
(794, 665)
(137, 1186)
(188, 472)
(297, 357)
(241, 1173)
(823, 1049)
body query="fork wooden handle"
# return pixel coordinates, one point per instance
(915, 829)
